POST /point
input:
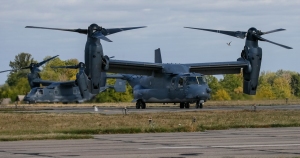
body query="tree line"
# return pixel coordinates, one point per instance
(272, 85)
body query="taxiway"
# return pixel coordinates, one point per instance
(260, 142)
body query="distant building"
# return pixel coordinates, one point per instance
(20, 98)
(5, 101)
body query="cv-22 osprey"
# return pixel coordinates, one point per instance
(97, 63)
(66, 91)
(185, 83)
(174, 84)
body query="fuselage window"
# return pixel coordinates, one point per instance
(202, 80)
(180, 83)
(191, 80)
(55, 92)
(33, 91)
(41, 91)
(173, 81)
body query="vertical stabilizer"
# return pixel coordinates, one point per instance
(157, 56)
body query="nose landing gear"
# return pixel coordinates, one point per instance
(199, 104)
(140, 104)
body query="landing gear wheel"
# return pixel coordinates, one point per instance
(143, 105)
(201, 105)
(181, 105)
(138, 104)
(187, 105)
(198, 105)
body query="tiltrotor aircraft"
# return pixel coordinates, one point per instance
(185, 83)
(68, 91)
(171, 82)
(95, 61)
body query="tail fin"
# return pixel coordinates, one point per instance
(157, 56)
(120, 85)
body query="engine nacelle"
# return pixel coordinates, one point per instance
(31, 77)
(82, 82)
(253, 54)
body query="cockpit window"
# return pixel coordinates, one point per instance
(180, 82)
(33, 91)
(173, 81)
(202, 80)
(41, 91)
(191, 80)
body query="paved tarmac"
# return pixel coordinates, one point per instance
(259, 142)
(117, 110)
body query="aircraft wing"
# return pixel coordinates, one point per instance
(54, 83)
(133, 67)
(115, 76)
(218, 68)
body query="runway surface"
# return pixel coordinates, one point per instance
(117, 110)
(260, 142)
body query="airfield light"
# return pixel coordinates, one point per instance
(150, 120)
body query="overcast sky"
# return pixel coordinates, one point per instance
(164, 19)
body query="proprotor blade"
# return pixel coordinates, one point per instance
(263, 39)
(110, 31)
(43, 62)
(6, 71)
(277, 30)
(99, 35)
(238, 34)
(83, 31)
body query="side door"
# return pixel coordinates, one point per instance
(177, 87)
(181, 87)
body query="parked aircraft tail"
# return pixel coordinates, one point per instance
(157, 56)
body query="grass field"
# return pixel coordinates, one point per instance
(36, 126)
(207, 104)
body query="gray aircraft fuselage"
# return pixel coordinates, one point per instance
(181, 88)
(173, 84)
(54, 94)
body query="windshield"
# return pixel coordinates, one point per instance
(191, 80)
(201, 79)
(33, 91)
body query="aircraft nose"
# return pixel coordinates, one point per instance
(27, 98)
(200, 92)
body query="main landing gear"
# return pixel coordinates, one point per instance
(140, 104)
(184, 105)
(199, 105)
